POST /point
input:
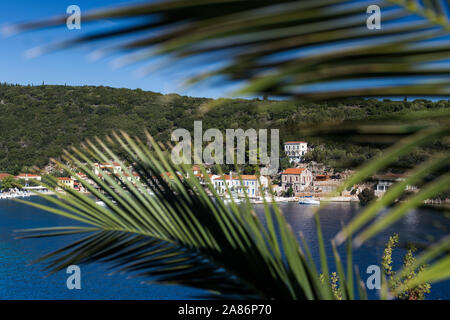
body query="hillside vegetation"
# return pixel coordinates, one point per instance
(37, 122)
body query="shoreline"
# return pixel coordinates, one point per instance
(22, 194)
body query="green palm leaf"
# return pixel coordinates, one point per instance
(288, 48)
(306, 49)
(176, 234)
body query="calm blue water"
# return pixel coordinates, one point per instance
(20, 280)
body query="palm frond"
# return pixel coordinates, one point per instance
(165, 225)
(177, 233)
(181, 232)
(313, 49)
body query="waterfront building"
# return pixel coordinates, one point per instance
(66, 182)
(249, 184)
(297, 178)
(386, 180)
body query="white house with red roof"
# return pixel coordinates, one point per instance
(113, 167)
(295, 150)
(297, 178)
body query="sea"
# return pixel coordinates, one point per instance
(22, 279)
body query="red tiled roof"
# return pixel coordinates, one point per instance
(117, 164)
(201, 175)
(248, 177)
(135, 174)
(293, 171)
(4, 175)
(169, 175)
(64, 179)
(226, 177)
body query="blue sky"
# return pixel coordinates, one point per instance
(73, 66)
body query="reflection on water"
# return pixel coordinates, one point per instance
(19, 280)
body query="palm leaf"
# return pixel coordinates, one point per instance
(309, 49)
(178, 233)
(288, 48)
(167, 226)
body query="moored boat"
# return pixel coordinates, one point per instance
(308, 200)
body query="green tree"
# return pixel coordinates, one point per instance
(8, 183)
(289, 192)
(395, 283)
(366, 196)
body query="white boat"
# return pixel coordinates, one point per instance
(309, 201)
(100, 203)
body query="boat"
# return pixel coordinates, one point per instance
(15, 193)
(308, 200)
(100, 203)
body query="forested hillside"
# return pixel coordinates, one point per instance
(37, 122)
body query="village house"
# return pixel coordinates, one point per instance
(113, 167)
(383, 182)
(250, 184)
(124, 175)
(297, 178)
(199, 175)
(66, 182)
(295, 150)
(203, 179)
(83, 177)
(77, 186)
